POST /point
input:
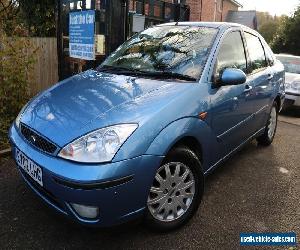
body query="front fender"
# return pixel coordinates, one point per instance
(187, 127)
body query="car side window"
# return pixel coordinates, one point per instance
(256, 52)
(269, 56)
(231, 54)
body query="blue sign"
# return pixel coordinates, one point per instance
(81, 33)
(268, 239)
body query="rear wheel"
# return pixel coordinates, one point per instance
(267, 138)
(176, 191)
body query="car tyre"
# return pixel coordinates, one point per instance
(267, 137)
(177, 188)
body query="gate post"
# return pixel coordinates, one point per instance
(59, 40)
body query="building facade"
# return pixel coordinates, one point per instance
(211, 10)
(200, 10)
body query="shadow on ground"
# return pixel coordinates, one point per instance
(291, 112)
(255, 191)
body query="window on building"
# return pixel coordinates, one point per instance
(79, 5)
(220, 6)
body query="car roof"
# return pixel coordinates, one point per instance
(287, 55)
(217, 25)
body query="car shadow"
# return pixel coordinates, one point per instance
(230, 205)
(291, 112)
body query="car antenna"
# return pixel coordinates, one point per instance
(176, 24)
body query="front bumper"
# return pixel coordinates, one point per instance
(118, 189)
(292, 99)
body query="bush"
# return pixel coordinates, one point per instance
(287, 39)
(16, 66)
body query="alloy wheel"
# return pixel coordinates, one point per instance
(272, 123)
(172, 192)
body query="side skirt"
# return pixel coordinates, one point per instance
(226, 157)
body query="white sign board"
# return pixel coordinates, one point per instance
(138, 23)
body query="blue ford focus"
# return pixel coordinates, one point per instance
(136, 136)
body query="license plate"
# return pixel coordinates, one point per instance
(32, 169)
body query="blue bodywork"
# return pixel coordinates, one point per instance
(166, 112)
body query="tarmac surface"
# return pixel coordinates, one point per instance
(258, 190)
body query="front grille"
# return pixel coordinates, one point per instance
(37, 140)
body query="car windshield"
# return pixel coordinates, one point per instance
(166, 51)
(291, 64)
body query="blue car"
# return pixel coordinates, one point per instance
(136, 136)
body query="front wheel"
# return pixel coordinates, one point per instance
(267, 138)
(176, 191)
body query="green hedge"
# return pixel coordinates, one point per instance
(16, 67)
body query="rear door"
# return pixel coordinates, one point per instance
(231, 112)
(261, 76)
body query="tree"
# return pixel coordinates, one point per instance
(268, 25)
(16, 64)
(287, 39)
(9, 11)
(38, 16)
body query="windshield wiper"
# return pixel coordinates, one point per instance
(137, 72)
(121, 70)
(169, 74)
(108, 68)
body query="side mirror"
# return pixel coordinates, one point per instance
(231, 76)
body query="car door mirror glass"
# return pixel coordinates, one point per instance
(231, 76)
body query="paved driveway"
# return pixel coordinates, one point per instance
(291, 115)
(257, 190)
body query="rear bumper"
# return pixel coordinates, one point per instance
(292, 99)
(118, 189)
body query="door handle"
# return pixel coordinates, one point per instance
(248, 88)
(270, 76)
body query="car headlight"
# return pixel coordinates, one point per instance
(98, 146)
(296, 85)
(18, 119)
(287, 85)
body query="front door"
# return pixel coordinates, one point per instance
(231, 112)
